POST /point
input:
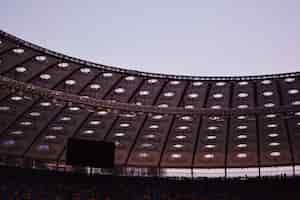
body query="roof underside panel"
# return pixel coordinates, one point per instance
(274, 150)
(242, 142)
(211, 149)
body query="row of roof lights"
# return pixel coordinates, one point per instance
(149, 136)
(154, 126)
(175, 82)
(166, 94)
(209, 137)
(156, 117)
(46, 147)
(241, 136)
(145, 145)
(121, 90)
(207, 156)
(22, 69)
(173, 155)
(244, 94)
(34, 114)
(240, 155)
(244, 106)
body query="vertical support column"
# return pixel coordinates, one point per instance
(228, 126)
(258, 143)
(294, 170)
(290, 142)
(257, 128)
(196, 143)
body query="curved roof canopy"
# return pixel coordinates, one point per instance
(155, 120)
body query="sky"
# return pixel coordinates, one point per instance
(201, 38)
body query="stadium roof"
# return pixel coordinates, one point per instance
(155, 120)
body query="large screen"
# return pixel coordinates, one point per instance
(90, 153)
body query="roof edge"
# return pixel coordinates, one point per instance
(141, 73)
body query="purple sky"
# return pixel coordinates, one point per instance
(217, 37)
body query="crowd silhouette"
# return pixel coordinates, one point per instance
(29, 184)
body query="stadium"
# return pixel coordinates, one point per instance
(176, 137)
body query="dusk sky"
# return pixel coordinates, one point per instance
(217, 37)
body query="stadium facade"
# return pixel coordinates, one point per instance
(171, 124)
